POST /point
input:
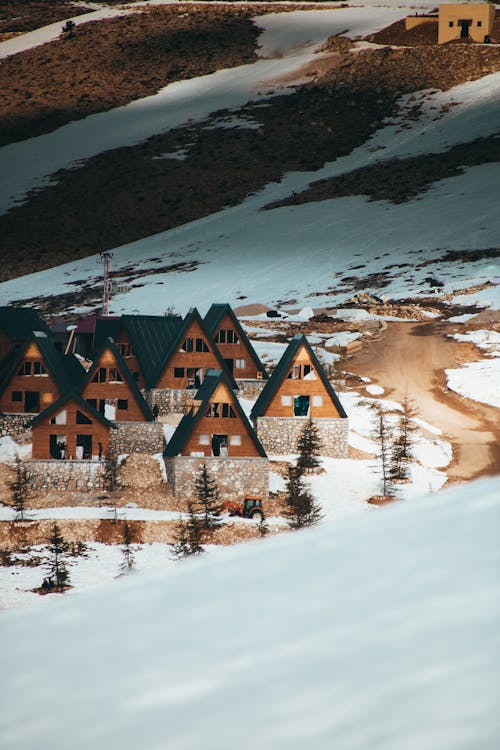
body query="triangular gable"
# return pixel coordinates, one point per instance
(213, 322)
(110, 346)
(192, 322)
(281, 372)
(205, 395)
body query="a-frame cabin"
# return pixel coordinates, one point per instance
(70, 429)
(216, 425)
(232, 342)
(36, 375)
(110, 383)
(190, 355)
(298, 390)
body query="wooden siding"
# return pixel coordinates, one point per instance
(42, 384)
(237, 351)
(192, 360)
(42, 431)
(113, 390)
(222, 426)
(302, 387)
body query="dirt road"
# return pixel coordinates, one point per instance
(413, 357)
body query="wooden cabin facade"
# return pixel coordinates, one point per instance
(109, 383)
(216, 425)
(233, 344)
(70, 429)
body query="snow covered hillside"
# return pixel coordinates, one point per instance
(376, 633)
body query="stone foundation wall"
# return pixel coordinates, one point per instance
(279, 435)
(84, 476)
(171, 400)
(250, 388)
(235, 477)
(14, 424)
(137, 437)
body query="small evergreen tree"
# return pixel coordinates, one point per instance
(309, 447)
(128, 561)
(402, 448)
(56, 565)
(383, 435)
(188, 535)
(206, 493)
(302, 509)
(263, 527)
(19, 490)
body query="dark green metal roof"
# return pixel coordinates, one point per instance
(212, 321)
(80, 401)
(189, 421)
(65, 369)
(281, 371)
(105, 328)
(152, 337)
(127, 376)
(18, 323)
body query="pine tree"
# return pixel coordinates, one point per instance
(56, 565)
(302, 508)
(188, 535)
(263, 527)
(206, 493)
(309, 447)
(402, 448)
(19, 489)
(383, 435)
(128, 562)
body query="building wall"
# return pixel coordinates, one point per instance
(171, 400)
(236, 477)
(42, 431)
(43, 384)
(481, 14)
(184, 360)
(279, 435)
(137, 437)
(238, 351)
(291, 387)
(113, 391)
(250, 388)
(82, 476)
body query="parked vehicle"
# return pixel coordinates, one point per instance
(250, 508)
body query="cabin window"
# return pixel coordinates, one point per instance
(194, 377)
(219, 445)
(83, 446)
(115, 375)
(450, 24)
(212, 410)
(39, 369)
(25, 369)
(188, 345)
(60, 418)
(317, 400)
(92, 402)
(201, 346)
(204, 440)
(82, 418)
(178, 372)
(17, 395)
(301, 406)
(100, 375)
(125, 350)
(294, 373)
(240, 364)
(221, 337)
(226, 336)
(286, 401)
(479, 23)
(235, 440)
(123, 404)
(228, 411)
(57, 446)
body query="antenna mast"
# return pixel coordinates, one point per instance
(105, 259)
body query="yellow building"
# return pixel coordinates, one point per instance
(459, 21)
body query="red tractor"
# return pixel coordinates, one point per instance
(251, 508)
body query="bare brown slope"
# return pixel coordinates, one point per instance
(21, 16)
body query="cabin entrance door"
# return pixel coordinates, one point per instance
(301, 406)
(32, 402)
(464, 24)
(83, 446)
(219, 445)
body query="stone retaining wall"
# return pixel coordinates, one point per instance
(279, 435)
(84, 476)
(249, 388)
(14, 424)
(171, 400)
(137, 437)
(235, 477)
